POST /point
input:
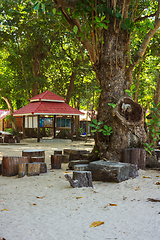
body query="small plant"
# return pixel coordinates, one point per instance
(131, 91)
(107, 130)
(154, 123)
(113, 105)
(148, 147)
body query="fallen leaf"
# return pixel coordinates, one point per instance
(66, 172)
(136, 189)
(157, 176)
(124, 198)
(153, 200)
(157, 183)
(4, 210)
(59, 177)
(78, 197)
(34, 204)
(1, 201)
(146, 177)
(96, 223)
(112, 204)
(41, 197)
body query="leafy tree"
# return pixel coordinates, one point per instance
(106, 29)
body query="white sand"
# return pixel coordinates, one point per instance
(62, 215)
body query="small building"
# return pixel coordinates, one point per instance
(5, 124)
(87, 119)
(47, 110)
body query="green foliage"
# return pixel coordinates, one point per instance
(131, 91)
(154, 123)
(148, 147)
(113, 105)
(106, 130)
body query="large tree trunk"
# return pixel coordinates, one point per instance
(113, 81)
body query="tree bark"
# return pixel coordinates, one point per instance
(157, 92)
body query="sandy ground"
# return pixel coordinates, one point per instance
(46, 207)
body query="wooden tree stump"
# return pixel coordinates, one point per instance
(65, 158)
(76, 154)
(135, 156)
(33, 169)
(56, 161)
(80, 179)
(1, 140)
(157, 152)
(33, 153)
(22, 170)
(10, 164)
(57, 152)
(76, 162)
(37, 159)
(81, 167)
(43, 167)
(6, 139)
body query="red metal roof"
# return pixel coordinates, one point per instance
(47, 108)
(47, 96)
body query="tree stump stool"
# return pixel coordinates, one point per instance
(6, 139)
(10, 164)
(34, 153)
(22, 170)
(81, 167)
(76, 162)
(135, 156)
(65, 158)
(56, 161)
(43, 167)
(37, 159)
(57, 152)
(75, 154)
(1, 140)
(33, 169)
(80, 179)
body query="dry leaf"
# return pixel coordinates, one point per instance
(4, 210)
(34, 204)
(66, 172)
(112, 204)
(96, 223)
(41, 197)
(157, 183)
(146, 177)
(78, 197)
(136, 188)
(153, 200)
(157, 176)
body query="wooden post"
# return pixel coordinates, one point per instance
(72, 127)
(38, 128)
(135, 156)
(54, 124)
(56, 161)
(23, 128)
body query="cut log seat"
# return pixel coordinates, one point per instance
(135, 156)
(76, 162)
(65, 158)
(10, 164)
(76, 154)
(34, 153)
(33, 169)
(37, 159)
(57, 152)
(22, 170)
(108, 171)
(56, 161)
(80, 179)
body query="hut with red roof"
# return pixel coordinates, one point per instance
(42, 111)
